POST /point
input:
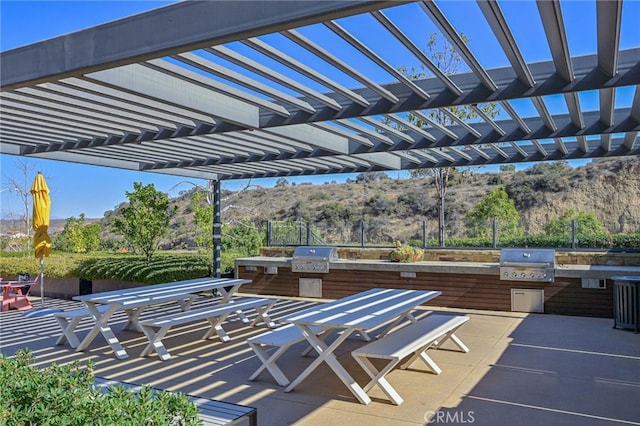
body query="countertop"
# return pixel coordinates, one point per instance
(562, 270)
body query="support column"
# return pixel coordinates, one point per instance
(217, 227)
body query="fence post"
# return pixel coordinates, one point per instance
(299, 232)
(269, 236)
(574, 234)
(495, 232)
(362, 233)
(424, 234)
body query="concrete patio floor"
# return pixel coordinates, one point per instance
(522, 369)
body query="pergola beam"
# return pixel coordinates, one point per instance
(166, 31)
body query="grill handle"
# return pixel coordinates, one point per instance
(527, 264)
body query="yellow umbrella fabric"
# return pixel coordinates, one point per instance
(41, 216)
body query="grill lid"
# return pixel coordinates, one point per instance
(528, 257)
(327, 254)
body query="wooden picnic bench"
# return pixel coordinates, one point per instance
(69, 320)
(415, 338)
(212, 412)
(157, 327)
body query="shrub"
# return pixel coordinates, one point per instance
(65, 395)
(122, 267)
(405, 253)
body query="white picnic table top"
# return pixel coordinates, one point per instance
(134, 300)
(364, 310)
(356, 313)
(136, 295)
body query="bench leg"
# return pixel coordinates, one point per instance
(269, 362)
(378, 378)
(322, 336)
(133, 316)
(263, 315)
(325, 354)
(395, 323)
(216, 326)
(455, 339)
(422, 354)
(68, 328)
(155, 342)
(102, 326)
(185, 304)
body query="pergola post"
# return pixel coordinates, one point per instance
(217, 228)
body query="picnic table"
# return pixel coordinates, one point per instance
(135, 300)
(357, 313)
(15, 294)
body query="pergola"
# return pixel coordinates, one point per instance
(250, 89)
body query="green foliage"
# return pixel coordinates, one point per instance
(65, 395)
(378, 205)
(550, 168)
(299, 211)
(160, 269)
(145, 219)
(78, 237)
(122, 267)
(243, 237)
(203, 218)
(57, 265)
(281, 182)
(405, 253)
(587, 225)
(338, 213)
(371, 177)
(508, 168)
(495, 205)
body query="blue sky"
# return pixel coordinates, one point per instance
(77, 188)
(92, 190)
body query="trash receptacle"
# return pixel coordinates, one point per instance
(85, 286)
(626, 303)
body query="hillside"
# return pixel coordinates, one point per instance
(394, 209)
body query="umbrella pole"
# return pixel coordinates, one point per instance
(42, 281)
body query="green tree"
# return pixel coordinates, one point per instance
(448, 60)
(495, 205)
(587, 224)
(243, 237)
(145, 219)
(282, 182)
(78, 237)
(203, 218)
(371, 177)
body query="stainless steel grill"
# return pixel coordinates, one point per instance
(313, 259)
(527, 264)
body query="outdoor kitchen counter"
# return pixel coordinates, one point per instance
(445, 267)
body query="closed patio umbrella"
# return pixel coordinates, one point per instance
(41, 217)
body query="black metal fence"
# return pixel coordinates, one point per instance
(424, 234)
